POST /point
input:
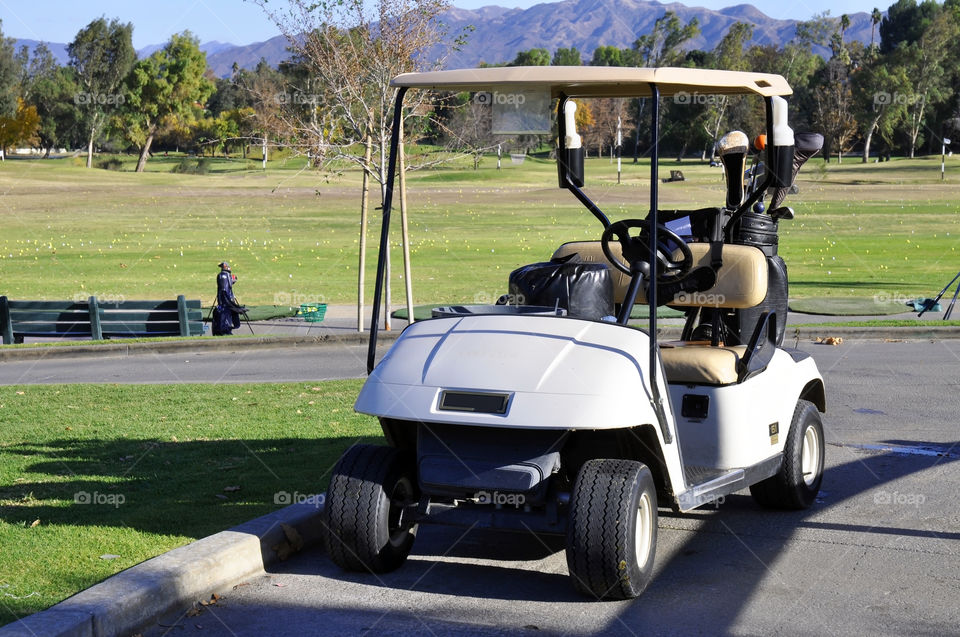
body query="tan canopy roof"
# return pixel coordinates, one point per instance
(599, 81)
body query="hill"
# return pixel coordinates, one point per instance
(499, 33)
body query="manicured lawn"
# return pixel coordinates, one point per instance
(889, 229)
(135, 470)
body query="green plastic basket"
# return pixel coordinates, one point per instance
(313, 312)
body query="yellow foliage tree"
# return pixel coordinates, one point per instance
(21, 128)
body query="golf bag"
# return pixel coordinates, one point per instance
(760, 231)
(226, 314)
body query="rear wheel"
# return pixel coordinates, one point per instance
(798, 482)
(612, 530)
(366, 510)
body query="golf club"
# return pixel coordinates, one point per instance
(806, 146)
(732, 149)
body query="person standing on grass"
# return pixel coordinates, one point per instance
(226, 313)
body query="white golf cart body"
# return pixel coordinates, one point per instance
(461, 391)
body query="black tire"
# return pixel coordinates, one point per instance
(608, 556)
(798, 482)
(364, 513)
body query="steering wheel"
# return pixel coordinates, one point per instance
(636, 250)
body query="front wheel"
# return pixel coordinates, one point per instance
(612, 530)
(798, 482)
(368, 500)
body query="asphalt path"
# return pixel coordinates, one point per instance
(878, 553)
(248, 365)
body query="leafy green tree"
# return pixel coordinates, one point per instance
(51, 89)
(101, 54)
(875, 19)
(606, 56)
(662, 46)
(928, 62)
(876, 87)
(729, 54)
(9, 74)
(533, 57)
(906, 22)
(170, 83)
(566, 57)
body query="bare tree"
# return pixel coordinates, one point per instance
(351, 49)
(469, 130)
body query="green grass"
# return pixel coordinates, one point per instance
(862, 230)
(155, 461)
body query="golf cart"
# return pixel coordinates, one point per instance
(549, 414)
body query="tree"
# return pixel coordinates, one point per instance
(566, 57)
(927, 62)
(729, 54)
(661, 47)
(875, 86)
(875, 18)
(20, 128)
(170, 83)
(533, 57)
(906, 21)
(469, 127)
(833, 113)
(613, 56)
(353, 49)
(101, 54)
(9, 73)
(51, 89)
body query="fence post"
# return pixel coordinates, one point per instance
(96, 333)
(182, 315)
(5, 321)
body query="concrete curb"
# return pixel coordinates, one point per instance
(135, 598)
(195, 345)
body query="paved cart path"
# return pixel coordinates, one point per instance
(879, 553)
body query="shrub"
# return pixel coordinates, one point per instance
(111, 163)
(193, 166)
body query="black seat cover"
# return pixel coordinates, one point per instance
(585, 290)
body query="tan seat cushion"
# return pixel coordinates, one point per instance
(741, 281)
(701, 364)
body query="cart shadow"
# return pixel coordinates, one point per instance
(701, 553)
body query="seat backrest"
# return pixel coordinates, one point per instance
(741, 280)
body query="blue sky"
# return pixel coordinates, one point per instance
(242, 22)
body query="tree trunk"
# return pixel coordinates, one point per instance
(364, 205)
(90, 151)
(384, 137)
(405, 228)
(144, 153)
(868, 137)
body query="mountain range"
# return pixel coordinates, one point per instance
(499, 33)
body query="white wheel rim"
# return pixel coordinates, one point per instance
(810, 456)
(643, 530)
